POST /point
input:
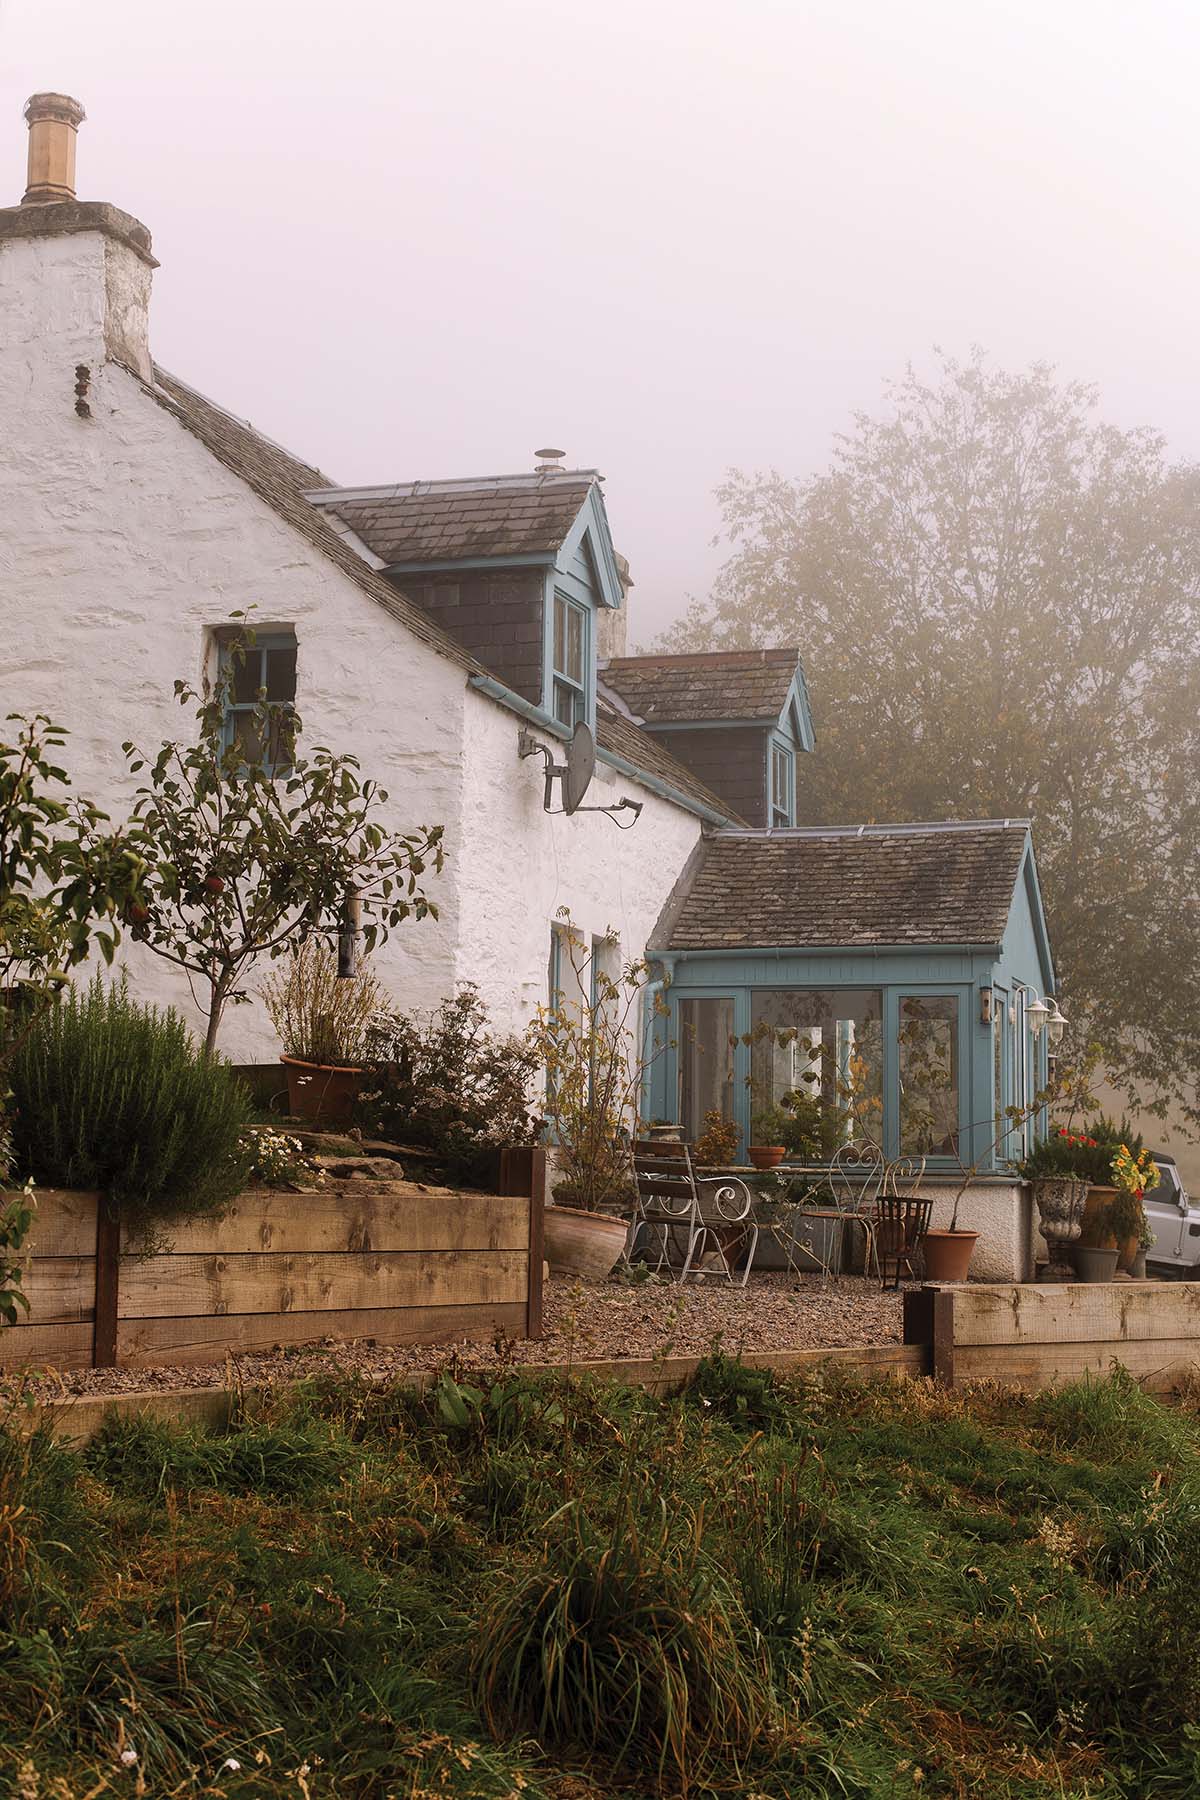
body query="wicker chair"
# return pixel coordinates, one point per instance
(902, 1219)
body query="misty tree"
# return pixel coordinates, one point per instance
(996, 596)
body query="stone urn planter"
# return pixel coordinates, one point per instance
(1060, 1201)
(583, 1243)
(324, 1095)
(947, 1253)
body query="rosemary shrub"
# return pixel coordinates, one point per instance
(119, 1097)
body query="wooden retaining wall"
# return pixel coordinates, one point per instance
(399, 1262)
(1046, 1334)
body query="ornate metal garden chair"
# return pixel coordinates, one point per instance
(707, 1220)
(902, 1219)
(856, 1177)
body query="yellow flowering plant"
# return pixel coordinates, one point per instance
(1134, 1173)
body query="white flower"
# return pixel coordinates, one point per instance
(231, 1762)
(128, 1757)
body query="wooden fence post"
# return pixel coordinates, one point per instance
(523, 1171)
(929, 1320)
(108, 1269)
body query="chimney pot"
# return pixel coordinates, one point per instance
(54, 120)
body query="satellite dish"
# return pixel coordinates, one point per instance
(581, 766)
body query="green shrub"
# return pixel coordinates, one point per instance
(115, 1096)
(449, 1084)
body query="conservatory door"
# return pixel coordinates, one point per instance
(929, 1070)
(706, 1049)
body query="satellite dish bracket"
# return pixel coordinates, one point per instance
(575, 772)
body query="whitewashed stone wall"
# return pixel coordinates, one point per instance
(521, 865)
(123, 543)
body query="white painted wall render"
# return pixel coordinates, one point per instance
(125, 542)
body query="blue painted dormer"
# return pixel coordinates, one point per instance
(738, 719)
(518, 568)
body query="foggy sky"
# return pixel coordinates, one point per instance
(669, 236)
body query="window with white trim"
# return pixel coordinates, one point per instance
(570, 656)
(783, 786)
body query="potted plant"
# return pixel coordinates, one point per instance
(1145, 1242)
(594, 1074)
(1096, 1146)
(1132, 1172)
(717, 1144)
(324, 1022)
(770, 1129)
(1059, 1189)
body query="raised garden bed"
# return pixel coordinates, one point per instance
(396, 1261)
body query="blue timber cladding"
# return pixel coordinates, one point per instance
(962, 909)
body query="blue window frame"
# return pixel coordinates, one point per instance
(783, 785)
(266, 670)
(570, 662)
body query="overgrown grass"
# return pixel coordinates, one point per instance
(543, 1591)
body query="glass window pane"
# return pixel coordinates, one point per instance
(824, 1045)
(575, 638)
(705, 1062)
(247, 736)
(560, 632)
(247, 669)
(928, 1059)
(567, 704)
(281, 672)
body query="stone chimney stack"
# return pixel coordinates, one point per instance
(74, 274)
(54, 121)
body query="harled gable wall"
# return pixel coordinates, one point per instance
(125, 540)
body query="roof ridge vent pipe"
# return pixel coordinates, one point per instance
(549, 462)
(54, 121)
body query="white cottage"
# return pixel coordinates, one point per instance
(435, 629)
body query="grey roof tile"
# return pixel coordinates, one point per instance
(894, 884)
(718, 684)
(438, 522)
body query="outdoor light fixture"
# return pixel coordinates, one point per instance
(1037, 1013)
(1055, 1024)
(985, 1006)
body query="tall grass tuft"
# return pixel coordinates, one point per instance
(119, 1097)
(625, 1645)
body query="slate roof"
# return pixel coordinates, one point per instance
(441, 521)
(282, 482)
(849, 888)
(717, 684)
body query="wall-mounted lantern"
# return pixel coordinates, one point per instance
(1037, 1013)
(1055, 1024)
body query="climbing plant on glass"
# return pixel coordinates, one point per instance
(245, 857)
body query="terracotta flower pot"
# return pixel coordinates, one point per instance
(1093, 1232)
(583, 1243)
(765, 1156)
(323, 1095)
(948, 1254)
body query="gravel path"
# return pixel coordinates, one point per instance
(584, 1321)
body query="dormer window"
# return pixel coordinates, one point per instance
(570, 657)
(783, 786)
